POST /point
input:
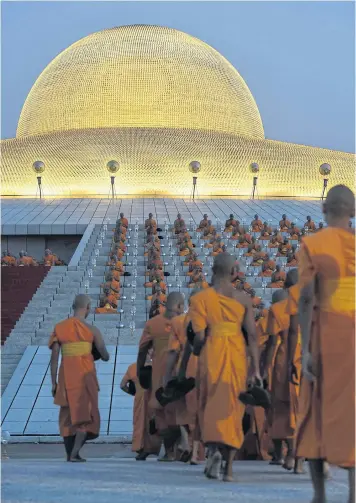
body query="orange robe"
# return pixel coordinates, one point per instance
(292, 261)
(158, 274)
(203, 224)
(258, 258)
(26, 261)
(105, 310)
(222, 367)
(229, 225)
(197, 280)
(277, 280)
(161, 297)
(326, 422)
(284, 225)
(310, 226)
(150, 222)
(284, 395)
(283, 250)
(156, 335)
(112, 299)
(119, 253)
(141, 438)
(50, 259)
(124, 222)
(77, 388)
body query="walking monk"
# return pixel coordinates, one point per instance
(156, 335)
(218, 315)
(326, 426)
(77, 389)
(142, 442)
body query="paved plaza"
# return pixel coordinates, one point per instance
(117, 478)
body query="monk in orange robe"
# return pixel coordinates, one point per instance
(203, 223)
(217, 248)
(157, 307)
(120, 232)
(237, 231)
(256, 224)
(193, 264)
(208, 231)
(259, 257)
(278, 278)
(310, 225)
(218, 315)
(159, 295)
(284, 394)
(292, 260)
(109, 297)
(266, 232)
(154, 261)
(116, 274)
(326, 310)
(294, 232)
(115, 254)
(105, 307)
(142, 442)
(230, 223)
(185, 248)
(213, 239)
(284, 248)
(197, 279)
(284, 224)
(7, 259)
(268, 267)
(25, 260)
(76, 391)
(156, 336)
(150, 222)
(245, 240)
(112, 283)
(156, 275)
(179, 224)
(253, 248)
(50, 258)
(182, 236)
(123, 221)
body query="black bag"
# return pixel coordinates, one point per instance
(190, 333)
(131, 387)
(145, 377)
(95, 353)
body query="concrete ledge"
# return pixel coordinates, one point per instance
(56, 439)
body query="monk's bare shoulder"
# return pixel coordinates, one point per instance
(243, 299)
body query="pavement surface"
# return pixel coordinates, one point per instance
(39, 474)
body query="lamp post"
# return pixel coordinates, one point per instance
(112, 167)
(254, 168)
(39, 167)
(194, 167)
(324, 170)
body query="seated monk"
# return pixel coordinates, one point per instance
(50, 258)
(215, 237)
(185, 247)
(115, 254)
(119, 237)
(153, 245)
(244, 241)
(117, 265)
(259, 257)
(197, 279)
(157, 286)
(266, 232)
(154, 261)
(256, 224)
(115, 273)
(112, 283)
(268, 267)
(105, 307)
(284, 248)
(230, 223)
(123, 221)
(155, 275)
(218, 248)
(320, 226)
(182, 236)
(179, 224)
(292, 260)
(294, 232)
(256, 301)
(25, 260)
(150, 222)
(208, 231)
(156, 308)
(237, 231)
(284, 224)
(253, 248)
(158, 295)
(193, 266)
(120, 245)
(309, 225)
(278, 278)
(109, 297)
(7, 259)
(203, 223)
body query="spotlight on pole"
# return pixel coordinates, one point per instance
(112, 167)
(39, 167)
(194, 167)
(254, 168)
(325, 170)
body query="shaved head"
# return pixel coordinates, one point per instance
(175, 301)
(224, 264)
(279, 295)
(292, 278)
(81, 301)
(340, 202)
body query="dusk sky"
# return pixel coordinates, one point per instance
(297, 58)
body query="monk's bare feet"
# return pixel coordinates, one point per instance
(288, 463)
(299, 467)
(214, 467)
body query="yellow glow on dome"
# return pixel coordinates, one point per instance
(140, 76)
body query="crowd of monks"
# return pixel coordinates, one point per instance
(24, 259)
(229, 379)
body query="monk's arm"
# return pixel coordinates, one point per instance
(250, 327)
(185, 359)
(292, 344)
(100, 344)
(54, 365)
(199, 341)
(305, 312)
(270, 350)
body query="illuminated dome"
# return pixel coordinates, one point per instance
(140, 76)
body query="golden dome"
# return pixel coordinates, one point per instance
(140, 76)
